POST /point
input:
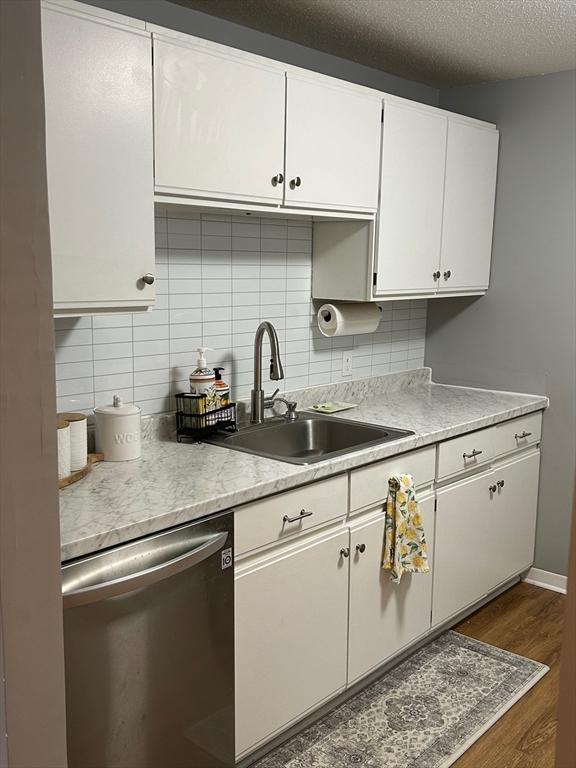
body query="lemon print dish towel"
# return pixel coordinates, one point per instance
(405, 549)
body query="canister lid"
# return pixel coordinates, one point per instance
(117, 408)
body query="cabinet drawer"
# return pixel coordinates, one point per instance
(466, 452)
(286, 514)
(518, 433)
(369, 485)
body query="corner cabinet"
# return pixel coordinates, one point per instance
(433, 234)
(99, 159)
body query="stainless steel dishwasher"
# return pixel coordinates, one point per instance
(149, 649)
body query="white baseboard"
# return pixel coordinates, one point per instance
(546, 579)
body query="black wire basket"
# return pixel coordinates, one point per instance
(195, 419)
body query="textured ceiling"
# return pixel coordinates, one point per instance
(439, 42)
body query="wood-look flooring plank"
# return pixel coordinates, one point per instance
(526, 620)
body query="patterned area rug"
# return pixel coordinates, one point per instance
(424, 713)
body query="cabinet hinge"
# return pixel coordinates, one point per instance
(374, 278)
(382, 115)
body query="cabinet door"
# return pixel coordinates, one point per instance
(291, 637)
(98, 94)
(332, 146)
(384, 617)
(219, 125)
(516, 504)
(465, 556)
(411, 190)
(470, 189)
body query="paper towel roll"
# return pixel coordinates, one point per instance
(348, 319)
(78, 439)
(63, 449)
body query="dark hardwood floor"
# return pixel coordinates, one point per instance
(526, 620)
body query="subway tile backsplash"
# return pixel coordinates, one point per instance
(217, 277)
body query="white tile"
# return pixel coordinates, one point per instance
(146, 348)
(216, 286)
(273, 258)
(267, 285)
(73, 337)
(299, 246)
(162, 287)
(74, 370)
(150, 407)
(217, 328)
(246, 258)
(143, 378)
(186, 344)
(216, 243)
(300, 233)
(273, 231)
(72, 323)
(183, 226)
(75, 402)
(274, 245)
(185, 301)
(186, 331)
(187, 316)
(245, 271)
(217, 271)
(218, 342)
(297, 297)
(154, 317)
(108, 351)
(152, 391)
(179, 271)
(185, 286)
(74, 386)
(273, 297)
(246, 228)
(113, 365)
(113, 381)
(245, 243)
(184, 257)
(246, 313)
(297, 346)
(245, 299)
(215, 301)
(112, 335)
(219, 228)
(151, 332)
(184, 242)
(245, 326)
(220, 312)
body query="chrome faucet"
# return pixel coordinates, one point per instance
(276, 370)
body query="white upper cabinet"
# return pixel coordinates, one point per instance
(470, 189)
(219, 125)
(412, 185)
(332, 146)
(99, 157)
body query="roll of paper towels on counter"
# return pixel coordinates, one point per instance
(348, 319)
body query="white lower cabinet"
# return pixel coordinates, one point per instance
(291, 636)
(485, 530)
(383, 616)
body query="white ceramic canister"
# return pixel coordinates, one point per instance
(118, 431)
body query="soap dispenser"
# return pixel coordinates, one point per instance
(221, 389)
(202, 379)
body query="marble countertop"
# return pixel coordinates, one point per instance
(175, 483)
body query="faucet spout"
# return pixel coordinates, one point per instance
(276, 369)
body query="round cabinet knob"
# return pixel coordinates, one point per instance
(493, 488)
(296, 182)
(361, 548)
(500, 483)
(436, 275)
(148, 278)
(278, 179)
(447, 274)
(345, 552)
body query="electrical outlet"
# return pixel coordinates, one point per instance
(346, 363)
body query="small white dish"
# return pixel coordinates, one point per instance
(332, 407)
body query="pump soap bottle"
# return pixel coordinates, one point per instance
(202, 379)
(221, 389)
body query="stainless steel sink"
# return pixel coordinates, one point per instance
(309, 439)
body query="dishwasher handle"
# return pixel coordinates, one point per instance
(116, 587)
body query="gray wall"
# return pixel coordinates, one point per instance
(521, 336)
(203, 25)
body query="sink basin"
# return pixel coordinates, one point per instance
(309, 439)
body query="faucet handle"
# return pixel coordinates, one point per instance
(269, 400)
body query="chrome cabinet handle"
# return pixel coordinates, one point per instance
(345, 552)
(148, 278)
(295, 182)
(522, 435)
(361, 548)
(471, 455)
(500, 483)
(278, 179)
(436, 275)
(447, 274)
(493, 488)
(301, 516)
